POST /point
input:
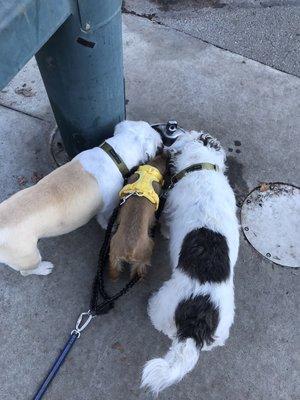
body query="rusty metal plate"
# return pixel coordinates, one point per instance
(270, 219)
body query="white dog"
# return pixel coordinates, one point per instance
(70, 196)
(195, 308)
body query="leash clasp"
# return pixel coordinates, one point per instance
(79, 327)
(125, 198)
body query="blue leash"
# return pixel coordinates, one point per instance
(75, 334)
(56, 366)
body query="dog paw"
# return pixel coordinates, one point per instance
(209, 347)
(44, 268)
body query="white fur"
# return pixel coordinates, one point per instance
(201, 199)
(135, 142)
(160, 373)
(44, 268)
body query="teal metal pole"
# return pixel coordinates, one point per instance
(82, 69)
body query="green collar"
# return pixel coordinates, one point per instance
(116, 158)
(192, 168)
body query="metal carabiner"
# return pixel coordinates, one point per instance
(78, 327)
(123, 200)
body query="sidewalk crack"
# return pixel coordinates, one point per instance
(149, 16)
(23, 112)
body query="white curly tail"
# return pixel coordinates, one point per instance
(160, 373)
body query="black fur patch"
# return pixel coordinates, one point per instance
(204, 256)
(197, 318)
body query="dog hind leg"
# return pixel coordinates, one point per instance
(162, 304)
(27, 260)
(142, 257)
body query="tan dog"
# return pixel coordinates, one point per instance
(70, 196)
(59, 203)
(131, 242)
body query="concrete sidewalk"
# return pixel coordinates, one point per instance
(168, 74)
(263, 30)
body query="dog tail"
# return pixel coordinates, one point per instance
(160, 373)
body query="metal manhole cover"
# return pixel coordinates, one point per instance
(270, 218)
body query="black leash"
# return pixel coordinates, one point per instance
(96, 307)
(98, 286)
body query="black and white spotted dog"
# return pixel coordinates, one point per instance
(195, 308)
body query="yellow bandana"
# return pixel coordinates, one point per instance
(143, 186)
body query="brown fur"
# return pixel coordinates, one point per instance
(131, 242)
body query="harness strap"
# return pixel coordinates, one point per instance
(192, 168)
(116, 158)
(143, 186)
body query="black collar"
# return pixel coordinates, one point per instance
(195, 167)
(116, 158)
